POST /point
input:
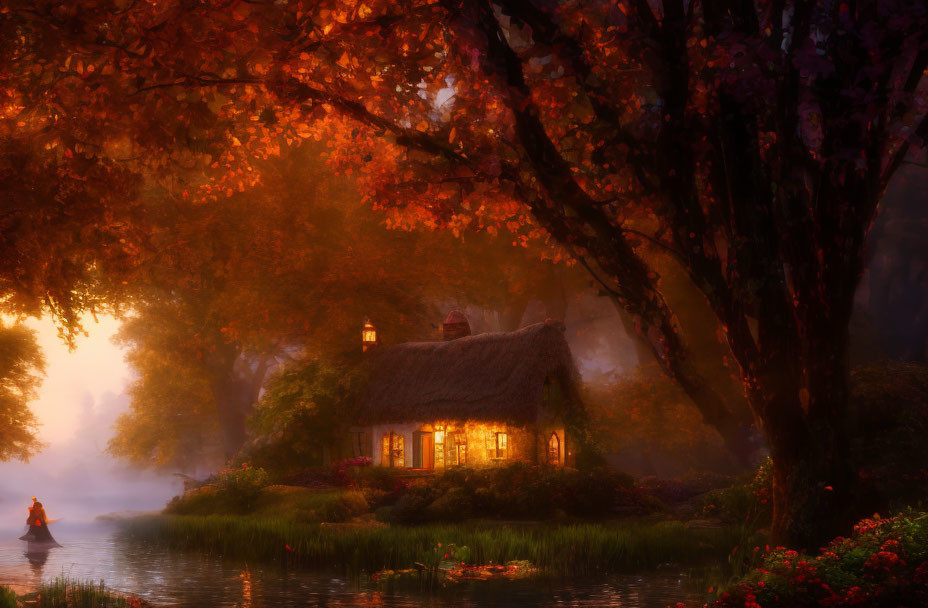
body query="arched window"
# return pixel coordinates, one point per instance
(393, 450)
(554, 449)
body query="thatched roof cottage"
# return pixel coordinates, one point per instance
(471, 400)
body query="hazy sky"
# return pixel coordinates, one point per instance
(83, 393)
(96, 367)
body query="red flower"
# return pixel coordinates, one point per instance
(883, 560)
(856, 596)
(891, 545)
(921, 575)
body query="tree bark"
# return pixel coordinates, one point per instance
(793, 219)
(235, 395)
(815, 487)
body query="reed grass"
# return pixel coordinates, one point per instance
(63, 592)
(576, 549)
(7, 597)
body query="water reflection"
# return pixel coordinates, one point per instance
(37, 561)
(167, 578)
(246, 588)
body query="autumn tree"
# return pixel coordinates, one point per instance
(751, 142)
(748, 142)
(172, 420)
(236, 287)
(68, 214)
(234, 290)
(21, 367)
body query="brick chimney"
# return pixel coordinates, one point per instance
(455, 326)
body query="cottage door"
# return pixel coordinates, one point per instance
(423, 450)
(428, 451)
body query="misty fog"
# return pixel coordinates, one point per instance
(76, 480)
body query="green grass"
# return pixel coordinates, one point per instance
(63, 592)
(299, 505)
(7, 597)
(562, 549)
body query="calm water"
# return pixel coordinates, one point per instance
(170, 578)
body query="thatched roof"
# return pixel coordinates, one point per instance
(487, 377)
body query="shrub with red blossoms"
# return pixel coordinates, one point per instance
(884, 560)
(884, 564)
(344, 472)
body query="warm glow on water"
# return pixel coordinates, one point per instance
(196, 580)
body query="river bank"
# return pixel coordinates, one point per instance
(570, 549)
(64, 592)
(164, 577)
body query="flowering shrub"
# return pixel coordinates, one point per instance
(241, 486)
(346, 472)
(883, 564)
(748, 503)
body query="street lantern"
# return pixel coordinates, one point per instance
(368, 335)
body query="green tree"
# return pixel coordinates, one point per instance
(21, 368)
(306, 410)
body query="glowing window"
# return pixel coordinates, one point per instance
(399, 451)
(497, 445)
(554, 449)
(458, 448)
(393, 453)
(462, 454)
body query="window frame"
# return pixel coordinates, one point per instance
(502, 447)
(555, 449)
(390, 451)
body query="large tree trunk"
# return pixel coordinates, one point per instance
(802, 398)
(815, 487)
(235, 394)
(232, 409)
(794, 223)
(736, 431)
(815, 497)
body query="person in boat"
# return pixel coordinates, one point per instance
(38, 526)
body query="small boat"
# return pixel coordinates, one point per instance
(38, 538)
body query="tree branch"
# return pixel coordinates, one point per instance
(546, 32)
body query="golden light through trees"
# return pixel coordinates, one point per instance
(750, 149)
